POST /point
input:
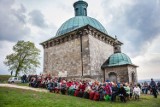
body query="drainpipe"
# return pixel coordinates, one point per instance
(104, 74)
(81, 53)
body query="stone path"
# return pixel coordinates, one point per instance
(23, 87)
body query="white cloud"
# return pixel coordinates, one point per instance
(12, 21)
(149, 62)
(5, 49)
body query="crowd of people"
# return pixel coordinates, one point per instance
(88, 89)
(151, 87)
(146, 87)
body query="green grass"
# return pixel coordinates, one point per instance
(12, 97)
(4, 78)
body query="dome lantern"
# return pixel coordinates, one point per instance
(80, 8)
(117, 46)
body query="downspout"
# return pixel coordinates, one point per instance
(81, 53)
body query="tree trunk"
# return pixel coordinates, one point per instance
(17, 71)
(18, 68)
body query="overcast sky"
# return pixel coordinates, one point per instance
(135, 22)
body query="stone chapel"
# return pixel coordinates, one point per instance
(82, 48)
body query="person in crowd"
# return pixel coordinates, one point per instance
(71, 88)
(43, 83)
(33, 82)
(92, 92)
(142, 88)
(24, 78)
(153, 88)
(96, 96)
(50, 86)
(58, 87)
(11, 73)
(47, 82)
(146, 87)
(158, 85)
(87, 91)
(152, 83)
(139, 85)
(96, 92)
(77, 89)
(101, 92)
(63, 87)
(108, 89)
(38, 82)
(127, 88)
(131, 90)
(59, 79)
(122, 93)
(81, 89)
(114, 92)
(136, 92)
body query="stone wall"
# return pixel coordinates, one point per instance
(99, 52)
(121, 71)
(65, 57)
(85, 55)
(132, 71)
(81, 52)
(124, 73)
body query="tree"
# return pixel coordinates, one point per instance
(25, 58)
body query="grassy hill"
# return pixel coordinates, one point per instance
(4, 78)
(11, 97)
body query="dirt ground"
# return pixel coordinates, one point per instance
(23, 87)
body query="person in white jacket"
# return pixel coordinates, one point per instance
(136, 92)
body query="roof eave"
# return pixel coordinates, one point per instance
(107, 66)
(77, 29)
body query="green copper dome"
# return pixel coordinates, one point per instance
(77, 22)
(81, 19)
(117, 59)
